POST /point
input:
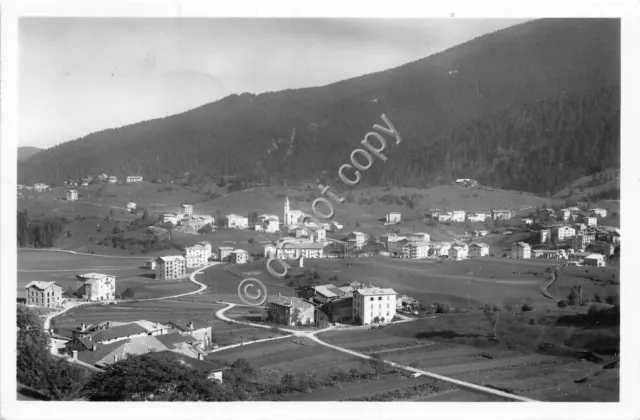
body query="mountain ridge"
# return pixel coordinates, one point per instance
(573, 64)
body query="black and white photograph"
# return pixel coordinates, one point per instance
(318, 209)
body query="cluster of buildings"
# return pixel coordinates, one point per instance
(419, 246)
(460, 216)
(103, 344)
(189, 222)
(351, 302)
(91, 287)
(174, 267)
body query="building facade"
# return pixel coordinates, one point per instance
(72, 195)
(521, 251)
(239, 256)
(133, 179)
(44, 294)
(197, 255)
(224, 252)
(394, 217)
(96, 286)
(171, 268)
(477, 249)
(236, 221)
(290, 311)
(374, 305)
(562, 233)
(187, 209)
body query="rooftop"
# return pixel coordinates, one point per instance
(290, 302)
(170, 340)
(93, 276)
(199, 365)
(172, 258)
(121, 331)
(42, 285)
(371, 291)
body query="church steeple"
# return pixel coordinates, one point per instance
(286, 211)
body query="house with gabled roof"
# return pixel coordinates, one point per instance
(44, 294)
(521, 250)
(290, 311)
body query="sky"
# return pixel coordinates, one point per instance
(81, 75)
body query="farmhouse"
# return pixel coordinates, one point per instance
(224, 252)
(477, 249)
(521, 250)
(96, 286)
(112, 180)
(457, 253)
(374, 305)
(197, 255)
(239, 256)
(44, 294)
(290, 311)
(202, 333)
(194, 223)
(171, 267)
(393, 217)
(72, 195)
(131, 206)
(501, 214)
(41, 187)
(134, 178)
(390, 238)
(237, 222)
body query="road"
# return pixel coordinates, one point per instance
(220, 314)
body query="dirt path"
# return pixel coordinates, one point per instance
(220, 314)
(79, 253)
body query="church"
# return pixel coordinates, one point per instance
(291, 217)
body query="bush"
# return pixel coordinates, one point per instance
(442, 308)
(526, 307)
(562, 304)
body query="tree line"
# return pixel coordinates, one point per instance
(39, 233)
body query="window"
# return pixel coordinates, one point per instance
(380, 298)
(387, 306)
(371, 298)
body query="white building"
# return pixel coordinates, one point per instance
(501, 214)
(96, 286)
(478, 249)
(545, 236)
(394, 217)
(521, 251)
(564, 232)
(291, 250)
(131, 206)
(41, 187)
(476, 217)
(582, 240)
(187, 209)
(356, 239)
(374, 305)
(318, 235)
(171, 268)
(527, 221)
(564, 214)
(239, 256)
(269, 223)
(72, 195)
(270, 251)
(112, 180)
(590, 221)
(291, 217)
(237, 222)
(440, 249)
(458, 253)
(170, 218)
(595, 260)
(458, 216)
(598, 212)
(415, 250)
(445, 217)
(197, 255)
(134, 178)
(224, 252)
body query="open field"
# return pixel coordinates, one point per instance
(457, 346)
(62, 268)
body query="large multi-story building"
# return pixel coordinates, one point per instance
(239, 256)
(478, 249)
(224, 252)
(290, 311)
(197, 255)
(562, 233)
(292, 250)
(374, 305)
(521, 251)
(187, 209)
(415, 250)
(171, 267)
(134, 178)
(44, 294)
(96, 286)
(356, 239)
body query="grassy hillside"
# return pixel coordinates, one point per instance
(513, 109)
